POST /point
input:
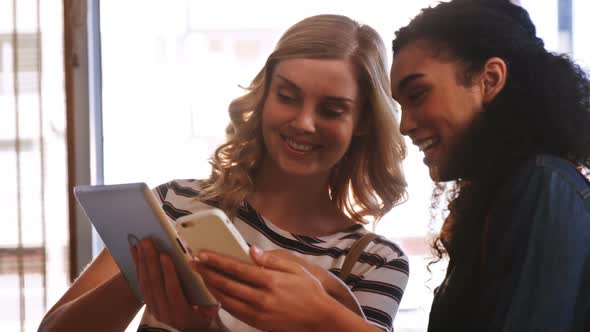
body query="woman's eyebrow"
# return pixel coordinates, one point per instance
(289, 82)
(327, 98)
(406, 80)
(344, 100)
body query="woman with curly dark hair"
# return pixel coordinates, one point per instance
(505, 129)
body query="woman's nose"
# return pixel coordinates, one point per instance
(304, 120)
(407, 124)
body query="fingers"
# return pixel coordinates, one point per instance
(237, 298)
(163, 293)
(248, 273)
(219, 282)
(273, 261)
(183, 314)
(233, 298)
(155, 286)
(144, 281)
(171, 282)
(209, 312)
(236, 307)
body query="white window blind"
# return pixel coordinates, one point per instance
(33, 217)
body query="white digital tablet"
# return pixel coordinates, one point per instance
(125, 213)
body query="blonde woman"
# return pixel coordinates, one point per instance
(313, 152)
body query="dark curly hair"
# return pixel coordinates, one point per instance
(544, 107)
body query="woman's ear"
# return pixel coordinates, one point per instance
(493, 78)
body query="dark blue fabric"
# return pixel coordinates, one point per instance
(535, 274)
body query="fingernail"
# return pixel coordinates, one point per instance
(202, 257)
(212, 311)
(257, 251)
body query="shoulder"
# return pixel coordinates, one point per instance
(546, 168)
(380, 253)
(378, 246)
(379, 279)
(545, 180)
(537, 245)
(180, 197)
(385, 248)
(185, 187)
(548, 197)
(394, 257)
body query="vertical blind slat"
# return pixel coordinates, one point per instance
(19, 251)
(32, 141)
(39, 64)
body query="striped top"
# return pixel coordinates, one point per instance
(377, 280)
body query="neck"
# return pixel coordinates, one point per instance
(297, 204)
(292, 192)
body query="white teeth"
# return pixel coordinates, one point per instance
(299, 146)
(427, 144)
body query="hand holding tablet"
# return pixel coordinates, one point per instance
(125, 213)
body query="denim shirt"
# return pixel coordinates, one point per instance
(536, 271)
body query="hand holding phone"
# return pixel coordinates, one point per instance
(212, 230)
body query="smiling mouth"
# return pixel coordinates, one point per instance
(298, 146)
(428, 144)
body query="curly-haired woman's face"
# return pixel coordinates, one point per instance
(310, 115)
(437, 108)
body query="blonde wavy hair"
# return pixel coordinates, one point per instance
(368, 181)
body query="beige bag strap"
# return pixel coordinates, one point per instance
(354, 253)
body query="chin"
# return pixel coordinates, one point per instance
(297, 170)
(440, 174)
(434, 173)
(308, 171)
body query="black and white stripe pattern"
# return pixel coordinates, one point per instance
(378, 279)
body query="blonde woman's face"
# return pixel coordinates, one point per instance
(310, 115)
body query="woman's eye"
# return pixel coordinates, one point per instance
(285, 98)
(331, 111)
(416, 96)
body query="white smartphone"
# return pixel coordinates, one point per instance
(212, 230)
(125, 213)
